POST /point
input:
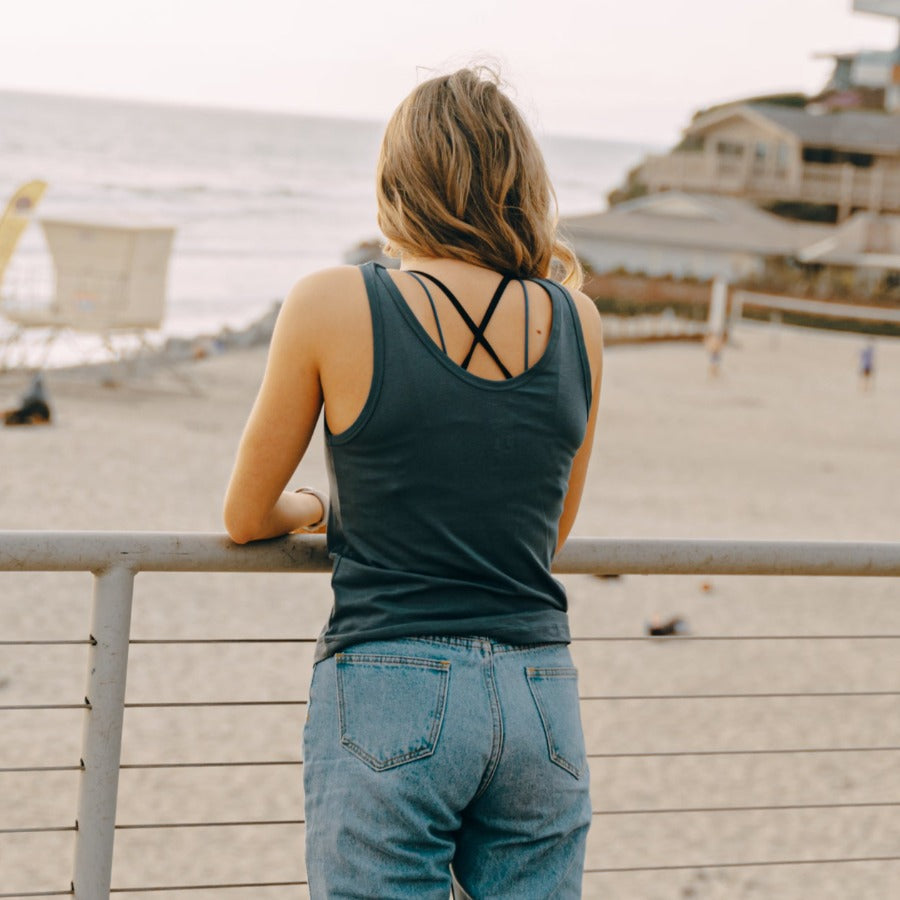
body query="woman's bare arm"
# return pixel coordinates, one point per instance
(593, 339)
(281, 424)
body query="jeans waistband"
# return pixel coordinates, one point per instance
(479, 642)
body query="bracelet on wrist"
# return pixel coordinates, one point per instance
(323, 499)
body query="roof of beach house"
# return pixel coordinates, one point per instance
(860, 130)
(851, 129)
(699, 221)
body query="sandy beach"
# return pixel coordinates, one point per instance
(782, 445)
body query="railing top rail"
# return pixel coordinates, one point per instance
(33, 551)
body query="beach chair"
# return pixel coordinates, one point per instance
(108, 280)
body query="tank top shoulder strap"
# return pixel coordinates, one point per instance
(376, 295)
(570, 329)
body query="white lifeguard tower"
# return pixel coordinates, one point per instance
(108, 279)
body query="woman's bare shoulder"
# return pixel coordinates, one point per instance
(589, 316)
(325, 297)
(326, 287)
(592, 330)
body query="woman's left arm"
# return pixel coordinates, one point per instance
(593, 340)
(280, 427)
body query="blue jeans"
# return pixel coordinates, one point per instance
(424, 756)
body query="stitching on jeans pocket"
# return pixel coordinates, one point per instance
(391, 708)
(555, 692)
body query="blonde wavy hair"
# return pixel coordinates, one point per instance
(461, 176)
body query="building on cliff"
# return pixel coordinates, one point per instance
(793, 161)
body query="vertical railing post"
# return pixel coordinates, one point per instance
(102, 734)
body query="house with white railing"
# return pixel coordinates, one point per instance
(779, 156)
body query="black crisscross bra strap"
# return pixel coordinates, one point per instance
(477, 330)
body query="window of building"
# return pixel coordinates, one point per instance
(729, 148)
(781, 156)
(831, 156)
(818, 155)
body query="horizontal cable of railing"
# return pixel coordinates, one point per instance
(22, 770)
(205, 887)
(763, 807)
(20, 894)
(646, 754)
(735, 695)
(155, 889)
(28, 707)
(744, 864)
(46, 643)
(162, 704)
(176, 641)
(576, 639)
(38, 829)
(239, 764)
(197, 552)
(240, 823)
(638, 811)
(693, 638)
(747, 695)
(188, 704)
(764, 751)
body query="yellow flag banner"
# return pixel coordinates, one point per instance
(15, 218)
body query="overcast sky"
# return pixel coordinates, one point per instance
(634, 69)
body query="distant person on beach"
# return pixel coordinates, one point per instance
(714, 345)
(443, 746)
(867, 365)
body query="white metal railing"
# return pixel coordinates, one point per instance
(845, 185)
(639, 329)
(115, 558)
(829, 309)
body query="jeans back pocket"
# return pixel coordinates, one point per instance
(391, 707)
(555, 692)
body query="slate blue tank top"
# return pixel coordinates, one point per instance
(446, 491)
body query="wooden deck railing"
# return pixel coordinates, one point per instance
(845, 186)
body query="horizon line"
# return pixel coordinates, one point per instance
(212, 106)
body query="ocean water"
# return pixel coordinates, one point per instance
(257, 199)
